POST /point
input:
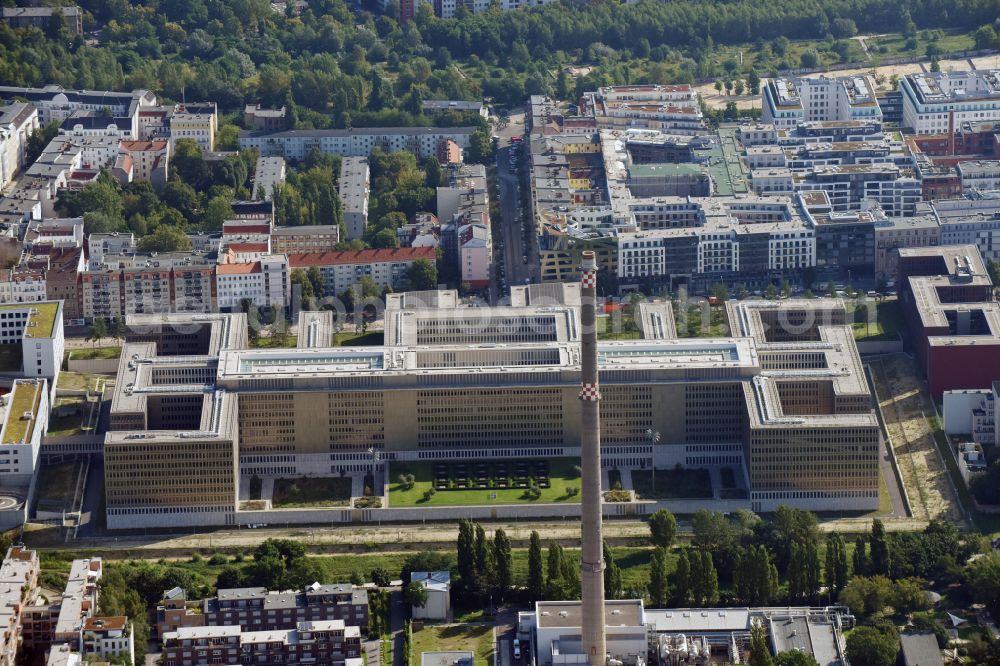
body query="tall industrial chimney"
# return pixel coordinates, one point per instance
(592, 560)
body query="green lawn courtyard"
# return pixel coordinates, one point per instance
(563, 484)
(476, 638)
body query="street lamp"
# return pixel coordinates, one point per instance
(654, 438)
(376, 456)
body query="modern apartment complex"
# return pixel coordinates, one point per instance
(789, 102)
(935, 102)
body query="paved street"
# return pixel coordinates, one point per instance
(516, 249)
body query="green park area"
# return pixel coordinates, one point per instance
(306, 492)
(475, 638)
(470, 483)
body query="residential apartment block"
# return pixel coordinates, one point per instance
(341, 270)
(268, 174)
(17, 122)
(354, 187)
(265, 282)
(41, 17)
(257, 609)
(305, 239)
(18, 583)
(324, 643)
(357, 142)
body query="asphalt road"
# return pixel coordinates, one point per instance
(517, 270)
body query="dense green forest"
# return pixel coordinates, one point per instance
(335, 66)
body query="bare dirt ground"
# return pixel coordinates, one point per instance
(906, 407)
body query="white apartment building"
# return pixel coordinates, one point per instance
(354, 187)
(983, 175)
(938, 102)
(787, 102)
(100, 245)
(268, 173)
(265, 282)
(17, 122)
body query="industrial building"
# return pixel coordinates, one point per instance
(684, 636)
(784, 402)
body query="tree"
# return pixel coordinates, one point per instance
(218, 210)
(809, 59)
(504, 561)
(704, 579)
(770, 293)
(466, 550)
(753, 82)
(662, 528)
(480, 146)
(98, 330)
(795, 658)
(415, 594)
(760, 651)
(860, 557)
(301, 282)
(720, 292)
(165, 239)
(836, 563)
(982, 578)
(866, 595)
(612, 575)
(188, 164)
(659, 592)
(380, 576)
(421, 275)
(535, 580)
(867, 646)
(879, 549)
(682, 579)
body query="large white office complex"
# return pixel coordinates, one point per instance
(784, 402)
